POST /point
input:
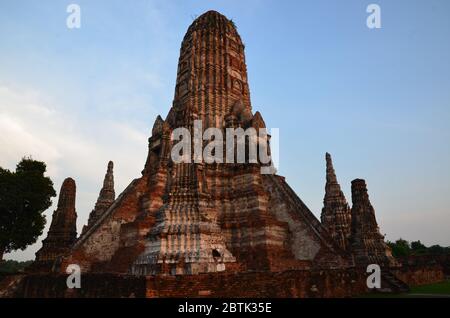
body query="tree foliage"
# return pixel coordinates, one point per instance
(24, 195)
(11, 267)
(418, 248)
(402, 248)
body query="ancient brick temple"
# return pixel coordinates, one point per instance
(189, 218)
(63, 230)
(207, 219)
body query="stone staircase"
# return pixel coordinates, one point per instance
(302, 210)
(299, 204)
(9, 285)
(390, 283)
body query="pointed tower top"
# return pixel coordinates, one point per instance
(258, 121)
(359, 191)
(157, 126)
(107, 193)
(332, 187)
(68, 182)
(211, 14)
(212, 19)
(360, 182)
(67, 193)
(331, 175)
(211, 43)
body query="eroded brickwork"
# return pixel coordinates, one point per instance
(367, 244)
(420, 275)
(218, 229)
(336, 214)
(332, 283)
(63, 230)
(94, 251)
(105, 199)
(216, 217)
(205, 217)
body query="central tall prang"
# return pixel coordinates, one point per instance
(217, 216)
(211, 87)
(212, 75)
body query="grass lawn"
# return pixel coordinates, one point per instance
(439, 288)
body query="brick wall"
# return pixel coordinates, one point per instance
(331, 283)
(420, 275)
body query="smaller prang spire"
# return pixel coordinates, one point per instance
(336, 214)
(367, 244)
(331, 175)
(63, 229)
(107, 194)
(105, 199)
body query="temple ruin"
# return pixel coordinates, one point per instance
(216, 228)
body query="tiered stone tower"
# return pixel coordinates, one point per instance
(63, 231)
(105, 198)
(189, 218)
(212, 87)
(336, 214)
(367, 244)
(215, 214)
(212, 74)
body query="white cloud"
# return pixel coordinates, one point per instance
(71, 146)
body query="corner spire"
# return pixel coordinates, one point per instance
(258, 121)
(367, 244)
(331, 175)
(107, 194)
(63, 229)
(157, 126)
(105, 199)
(336, 215)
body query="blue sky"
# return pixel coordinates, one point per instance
(377, 100)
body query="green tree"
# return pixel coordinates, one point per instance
(11, 266)
(436, 250)
(417, 245)
(418, 248)
(400, 248)
(24, 195)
